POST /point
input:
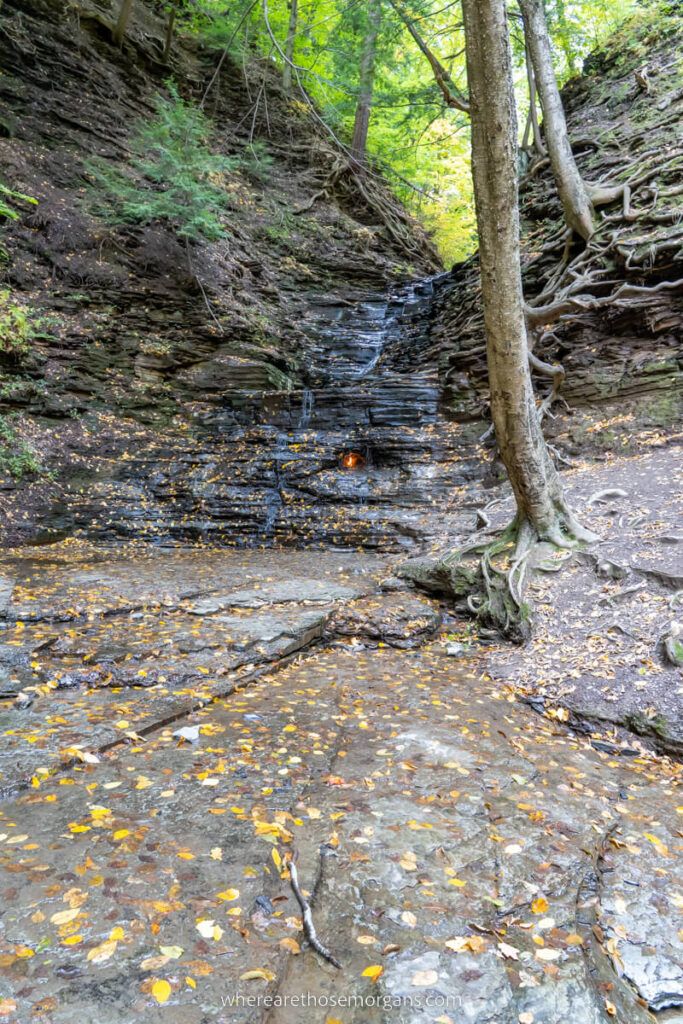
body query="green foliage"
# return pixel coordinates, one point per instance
(255, 161)
(175, 178)
(19, 326)
(16, 457)
(7, 196)
(420, 145)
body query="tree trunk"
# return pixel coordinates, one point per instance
(122, 23)
(533, 111)
(170, 25)
(367, 82)
(289, 45)
(541, 510)
(576, 202)
(448, 88)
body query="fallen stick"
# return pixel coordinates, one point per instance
(307, 917)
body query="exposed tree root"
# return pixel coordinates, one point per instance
(486, 575)
(348, 182)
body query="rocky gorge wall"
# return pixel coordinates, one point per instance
(289, 385)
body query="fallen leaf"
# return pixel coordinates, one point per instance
(229, 894)
(373, 972)
(421, 979)
(103, 952)
(548, 954)
(291, 944)
(657, 843)
(161, 990)
(64, 916)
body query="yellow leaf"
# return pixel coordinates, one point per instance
(230, 894)
(191, 982)
(101, 953)
(161, 990)
(657, 843)
(209, 930)
(121, 833)
(409, 918)
(143, 782)
(539, 905)
(373, 972)
(291, 944)
(366, 940)
(277, 859)
(72, 940)
(457, 882)
(172, 952)
(117, 934)
(64, 916)
(216, 853)
(256, 974)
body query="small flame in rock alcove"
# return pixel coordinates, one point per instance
(352, 460)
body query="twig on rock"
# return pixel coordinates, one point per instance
(307, 918)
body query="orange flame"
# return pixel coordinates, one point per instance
(352, 460)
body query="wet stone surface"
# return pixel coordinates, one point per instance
(98, 642)
(479, 862)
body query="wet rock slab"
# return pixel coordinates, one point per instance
(468, 855)
(99, 637)
(396, 619)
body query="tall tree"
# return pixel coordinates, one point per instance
(533, 110)
(168, 35)
(574, 195)
(542, 512)
(366, 83)
(289, 45)
(122, 21)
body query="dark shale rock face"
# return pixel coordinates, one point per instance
(289, 386)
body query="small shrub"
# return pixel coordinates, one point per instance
(7, 195)
(16, 457)
(176, 176)
(18, 328)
